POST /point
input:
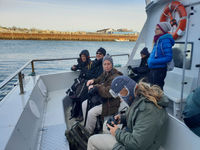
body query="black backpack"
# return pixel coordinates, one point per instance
(78, 93)
(77, 137)
(78, 89)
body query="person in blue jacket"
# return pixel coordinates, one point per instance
(161, 54)
(191, 111)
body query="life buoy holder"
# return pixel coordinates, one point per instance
(168, 13)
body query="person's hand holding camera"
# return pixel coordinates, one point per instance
(117, 118)
(112, 128)
(112, 124)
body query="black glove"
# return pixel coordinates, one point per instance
(74, 68)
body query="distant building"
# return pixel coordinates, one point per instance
(117, 32)
(108, 30)
(124, 30)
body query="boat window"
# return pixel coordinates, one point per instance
(178, 53)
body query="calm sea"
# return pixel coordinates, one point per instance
(15, 53)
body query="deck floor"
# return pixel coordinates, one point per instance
(53, 132)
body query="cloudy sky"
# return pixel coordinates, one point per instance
(73, 15)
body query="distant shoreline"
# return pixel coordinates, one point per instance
(67, 37)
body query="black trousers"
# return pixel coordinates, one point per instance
(157, 76)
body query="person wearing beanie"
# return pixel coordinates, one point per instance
(97, 68)
(161, 54)
(101, 51)
(144, 121)
(108, 57)
(142, 71)
(104, 103)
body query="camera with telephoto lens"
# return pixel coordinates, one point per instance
(110, 120)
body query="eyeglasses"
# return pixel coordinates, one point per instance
(98, 53)
(157, 28)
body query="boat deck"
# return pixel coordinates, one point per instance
(53, 137)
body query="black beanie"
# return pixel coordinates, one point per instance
(145, 51)
(102, 50)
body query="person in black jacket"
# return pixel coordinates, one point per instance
(84, 65)
(97, 67)
(143, 70)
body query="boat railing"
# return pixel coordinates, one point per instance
(20, 75)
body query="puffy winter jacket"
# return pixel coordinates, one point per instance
(162, 52)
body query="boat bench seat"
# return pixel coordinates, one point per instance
(178, 136)
(172, 87)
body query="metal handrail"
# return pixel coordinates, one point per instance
(2, 84)
(18, 72)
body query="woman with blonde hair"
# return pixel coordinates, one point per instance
(144, 120)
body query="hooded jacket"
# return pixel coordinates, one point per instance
(84, 67)
(145, 123)
(162, 52)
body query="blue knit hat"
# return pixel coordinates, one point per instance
(121, 82)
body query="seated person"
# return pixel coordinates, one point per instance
(84, 65)
(143, 70)
(192, 111)
(144, 120)
(102, 85)
(96, 67)
(78, 91)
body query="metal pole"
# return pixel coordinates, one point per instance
(21, 82)
(198, 78)
(184, 61)
(33, 69)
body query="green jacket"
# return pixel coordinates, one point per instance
(145, 123)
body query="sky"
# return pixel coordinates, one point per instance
(73, 15)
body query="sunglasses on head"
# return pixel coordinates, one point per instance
(99, 53)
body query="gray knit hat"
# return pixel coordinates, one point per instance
(109, 58)
(164, 26)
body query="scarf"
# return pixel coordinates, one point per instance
(156, 37)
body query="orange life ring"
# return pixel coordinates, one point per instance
(167, 14)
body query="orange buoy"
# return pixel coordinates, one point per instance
(167, 14)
